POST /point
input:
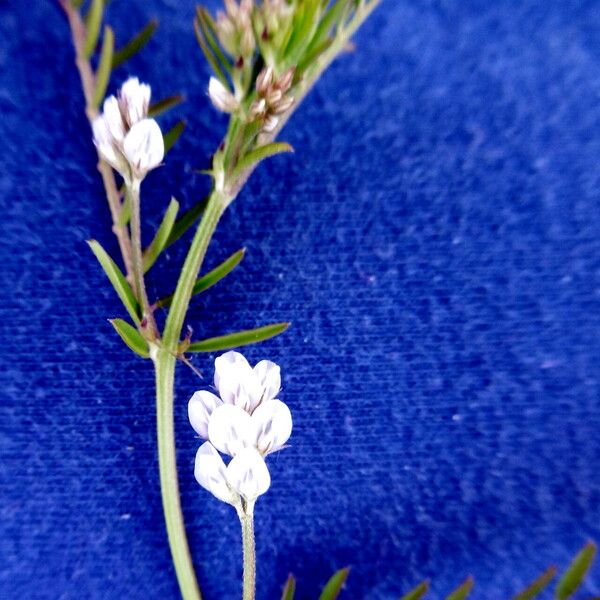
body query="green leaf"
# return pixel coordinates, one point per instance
(463, 590)
(533, 589)
(290, 589)
(255, 156)
(103, 72)
(158, 108)
(135, 44)
(209, 29)
(93, 21)
(173, 135)
(212, 277)
(328, 22)
(304, 28)
(334, 586)
(132, 337)
(417, 592)
(573, 578)
(208, 53)
(76, 3)
(162, 235)
(117, 279)
(241, 338)
(186, 221)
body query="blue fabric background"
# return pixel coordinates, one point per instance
(435, 241)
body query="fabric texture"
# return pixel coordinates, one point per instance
(435, 242)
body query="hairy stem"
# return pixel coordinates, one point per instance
(249, 551)
(164, 364)
(137, 262)
(88, 84)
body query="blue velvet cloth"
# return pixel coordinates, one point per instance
(435, 241)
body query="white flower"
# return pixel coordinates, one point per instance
(246, 475)
(144, 147)
(134, 100)
(126, 139)
(246, 422)
(221, 97)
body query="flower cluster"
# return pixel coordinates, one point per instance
(272, 97)
(246, 422)
(125, 137)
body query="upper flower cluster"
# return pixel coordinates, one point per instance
(124, 135)
(245, 421)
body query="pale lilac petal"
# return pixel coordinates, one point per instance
(106, 147)
(135, 100)
(200, 407)
(269, 378)
(236, 381)
(114, 119)
(144, 146)
(248, 474)
(230, 429)
(211, 474)
(272, 422)
(221, 97)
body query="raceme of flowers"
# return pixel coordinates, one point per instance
(125, 137)
(245, 421)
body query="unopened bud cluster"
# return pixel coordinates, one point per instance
(272, 98)
(125, 137)
(234, 28)
(246, 422)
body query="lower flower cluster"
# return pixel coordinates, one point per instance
(245, 421)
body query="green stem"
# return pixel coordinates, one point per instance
(164, 364)
(249, 550)
(217, 203)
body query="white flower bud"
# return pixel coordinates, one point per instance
(114, 119)
(221, 97)
(144, 147)
(272, 423)
(230, 429)
(248, 474)
(104, 141)
(134, 98)
(211, 473)
(201, 405)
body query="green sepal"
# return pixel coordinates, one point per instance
(259, 154)
(135, 44)
(186, 221)
(104, 66)
(173, 134)
(463, 590)
(240, 338)
(93, 20)
(117, 279)
(152, 252)
(537, 586)
(289, 589)
(417, 592)
(211, 278)
(573, 577)
(132, 337)
(162, 106)
(76, 3)
(334, 586)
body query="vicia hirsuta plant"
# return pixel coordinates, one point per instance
(265, 56)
